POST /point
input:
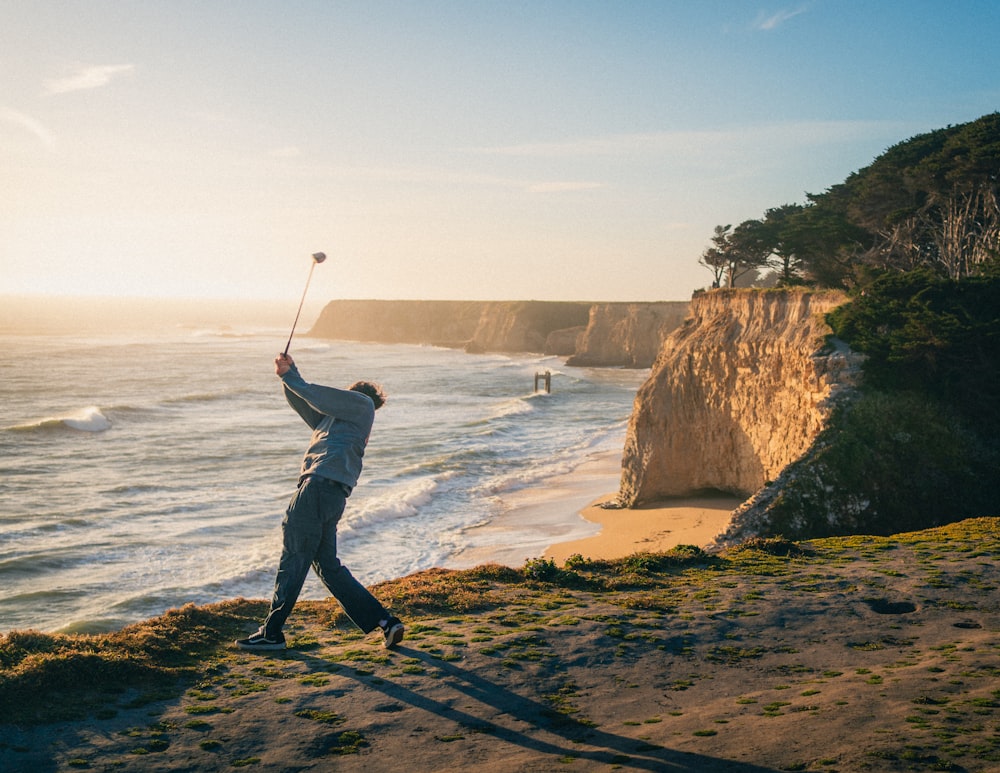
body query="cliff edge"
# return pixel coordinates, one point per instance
(738, 392)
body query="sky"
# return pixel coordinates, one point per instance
(550, 150)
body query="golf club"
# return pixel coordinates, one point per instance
(318, 257)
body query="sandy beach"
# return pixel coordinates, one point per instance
(652, 528)
(567, 516)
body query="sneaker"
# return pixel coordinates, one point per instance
(393, 632)
(261, 642)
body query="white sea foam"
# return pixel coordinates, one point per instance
(401, 501)
(313, 346)
(515, 407)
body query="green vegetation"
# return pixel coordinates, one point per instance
(931, 201)
(888, 462)
(915, 239)
(931, 336)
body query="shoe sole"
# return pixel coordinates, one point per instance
(260, 647)
(394, 636)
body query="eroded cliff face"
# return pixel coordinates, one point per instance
(605, 334)
(524, 326)
(738, 392)
(629, 335)
(441, 323)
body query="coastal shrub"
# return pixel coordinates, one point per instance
(775, 546)
(651, 563)
(644, 563)
(442, 591)
(542, 569)
(888, 463)
(928, 334)
(545, 570)
(576, 561)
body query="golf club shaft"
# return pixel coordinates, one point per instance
(303, 300)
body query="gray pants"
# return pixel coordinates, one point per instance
(309, 538)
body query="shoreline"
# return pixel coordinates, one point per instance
(564, 516)
(539, 516)
(652, 528)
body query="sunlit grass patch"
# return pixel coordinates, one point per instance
(45, 677)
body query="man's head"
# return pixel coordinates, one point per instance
(372, 390)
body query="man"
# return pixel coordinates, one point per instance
(341, 421)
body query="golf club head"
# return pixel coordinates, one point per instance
(319, 257)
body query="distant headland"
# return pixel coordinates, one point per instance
(588, 334)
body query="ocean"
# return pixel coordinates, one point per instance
(147, 466)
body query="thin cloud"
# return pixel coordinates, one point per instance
(84, 78)
(775, 20)
(32, 125)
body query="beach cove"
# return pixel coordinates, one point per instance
(577, 513)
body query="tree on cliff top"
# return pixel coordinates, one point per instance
(931, 201)
(735, 252)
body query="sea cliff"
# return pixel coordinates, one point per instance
(627, 334)
(737, 393)
(439, 323)
(588, 334)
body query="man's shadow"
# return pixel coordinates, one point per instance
(629, 753)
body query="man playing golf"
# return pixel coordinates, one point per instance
(341, 420)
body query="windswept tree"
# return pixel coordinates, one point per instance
(784, 243)
(828, 245)
(714, 258)
(735, 252)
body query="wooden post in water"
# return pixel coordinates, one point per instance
(545, 377)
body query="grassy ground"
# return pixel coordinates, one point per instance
(842, 654)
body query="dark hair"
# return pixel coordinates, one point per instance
(372, 390)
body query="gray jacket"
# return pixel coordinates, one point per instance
(341, 421)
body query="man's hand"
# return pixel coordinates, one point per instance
(282, 364)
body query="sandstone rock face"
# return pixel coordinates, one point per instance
(441, 323)
(563, 343)
(616, 334)
(738, 392)
(627, 334)
(524, 326)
